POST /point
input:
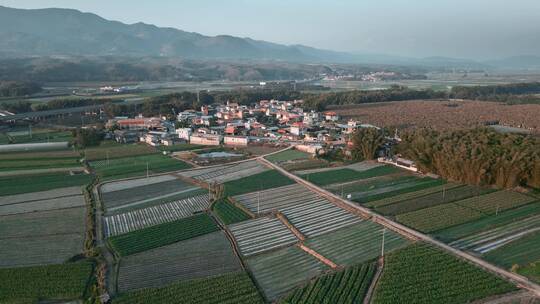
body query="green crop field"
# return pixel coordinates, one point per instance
(346, 286)
(52, 282)
(136, 166)
(497, 201)
(288, 155)
(421, 184)
(488, 223)
(38, 136)
(234, 288)
(265, 180)
(229, 213)
(32, 183)
(439, 198)
(113, 150)
(163, 234)
(521, 252)
(439, 217)
(180, 147)
(347, 175)
(422, 274)
(411, 195)
(39, 163)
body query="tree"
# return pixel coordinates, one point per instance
(83, 138)
(366, 143)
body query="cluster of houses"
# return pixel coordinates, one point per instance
(232, 124)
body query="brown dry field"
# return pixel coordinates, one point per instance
(439, 115)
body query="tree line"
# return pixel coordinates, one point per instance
(26, 106)
(18, 88)
(516, 93)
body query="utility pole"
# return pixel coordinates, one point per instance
(443, 192)
(342, 191)
(30, 129)
(382, 245)
(107, 157)
(147, 173)
(497, 211)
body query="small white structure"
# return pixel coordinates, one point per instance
(236, 140)
(205, 139)
(184, 133)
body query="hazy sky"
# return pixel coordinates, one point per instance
(480, 29)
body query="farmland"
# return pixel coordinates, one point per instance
(347, 175)
(278, 272)
(422, 274)
(226, 173)
(112, 150)
(42, 182)
(203, 256)
(37, 136)
(356, 244)
(521, 252)
(411, 195)
(52, 282)
(163, 234)
(234, 288)
(20, 161)
(439, 217)
(136, 166)
(347, 286)
(228, 213)
(265, 180)
(288, 155)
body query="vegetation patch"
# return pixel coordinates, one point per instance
(261, 181)
(229, 213)
(112, 150)
(347, 175)
(41, 182)
(439, 217)
(422, 274)
(52, 282)
(288, 155)
(163, 234)
(235, 288)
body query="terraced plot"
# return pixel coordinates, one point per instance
(356, 244)
(151, 216)
(234, 288)
(222, 174)
(317, 217)
(275, 198)
(423, 274)
(492, 239)
(279, 272)
(262, 234)
(347, 286)
(200, 257)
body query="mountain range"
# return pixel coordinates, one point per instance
(68, 32)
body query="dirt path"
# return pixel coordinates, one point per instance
(516, 279)
(369, 295)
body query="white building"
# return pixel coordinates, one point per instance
(184, 133)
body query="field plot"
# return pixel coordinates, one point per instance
(411, 195)
(116, 186)
(497, 201)
(288, 155)
(203, 256)
(422, 274)
(262, 234)
(113, 150)
(318, 217)
(435, 199)
(38, 136)
(228, 213)
(521, 252)
(360, 167)
(490, 222)
(265, 180)
(41, 195)
(53, 282)
(439, 217)
(37, 162)
(347, 287)
(347, 175)
(234, 288)
(151, 216)
(356, 244)
(275, 198)
(279, 272)
(163, 234)
(43, 205)
(136, 166)
(32, 183)
(225, 173)
(487, 241)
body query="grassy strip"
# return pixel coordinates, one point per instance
(163, 234)
(347, 175)
(347, 286)
(41, 182)
(488, 223)
(229, 213)
(52, 282)
(264, 180)
(228, 289)
(422, 274)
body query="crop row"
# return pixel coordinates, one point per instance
(348, 286)
(423, 274)
(278, 272)
(234, 288)
(52, 282)
(439, 198)
(142, 218)
(262, 234)
(229, 213)
(319, 216)
(521, 252)
(356, 244)
(261, 181)
(275, 198)
(227, 173)
(207, 255)
(163, 234)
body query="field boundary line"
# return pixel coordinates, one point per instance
(374, 281)
(518, 280)
(283, 218)
(318, 256)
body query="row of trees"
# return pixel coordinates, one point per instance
(18, 88)
(516, 93)
(26, 106)
(479, 156)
